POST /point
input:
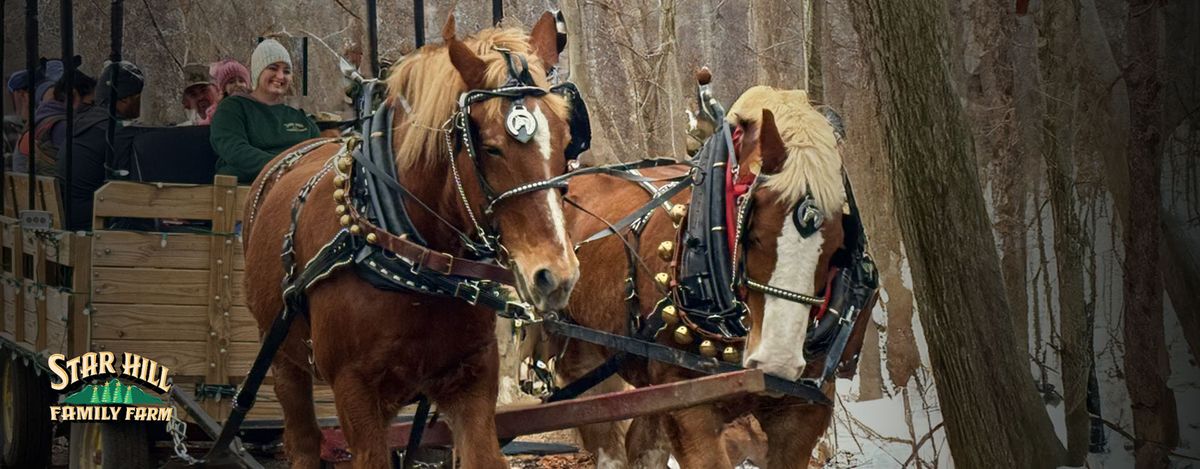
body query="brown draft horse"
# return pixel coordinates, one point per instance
(794, 147)
(379, 349)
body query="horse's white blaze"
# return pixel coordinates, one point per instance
(556, 217)
(542, 135)
(780, 349)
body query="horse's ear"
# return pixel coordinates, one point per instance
(471, 68)
(544, 39)
(770, 144)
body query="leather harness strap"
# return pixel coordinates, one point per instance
(428, 259)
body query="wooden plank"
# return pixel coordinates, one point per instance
(56, 245)
(144, 249)
(10, 310)
(163, 250)
(18, 199)
(220, 269)
(18, 270)
(30, 331)
(159, 286)
(9, 227)
(185, 358)
(166, 322)
(515, 421)
(79, 324)
(48, 192)
(45, 196)
(149, 286)
(40, 293)
(139, 200)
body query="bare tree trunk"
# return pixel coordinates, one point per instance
(577, 42)
(777, 26)
(1181, 271)
(1155, 421)
(981, 377)
(1062, 71)
(992, 46)
(850, 87)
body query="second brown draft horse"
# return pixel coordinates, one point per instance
(787, 153)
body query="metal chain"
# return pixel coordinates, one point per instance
(464, 129)
(178, 430)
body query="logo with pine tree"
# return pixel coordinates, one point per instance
(112, 392)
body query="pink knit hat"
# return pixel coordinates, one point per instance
(227, 71)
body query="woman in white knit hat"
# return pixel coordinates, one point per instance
(249, 130)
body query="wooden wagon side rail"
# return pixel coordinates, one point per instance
(44, 281)
(178, 296)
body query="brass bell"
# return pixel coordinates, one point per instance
(345, 220)
(683, 335)
(343, 164)
(677, 213)
(339, 180)
(662, 279)
(666, 250)
(340, 209)
(339, 195)
(372, 238)
(708, 348)
(731, 355)
(355, 229)
(669, 315)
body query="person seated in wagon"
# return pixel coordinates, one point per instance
(249, 130)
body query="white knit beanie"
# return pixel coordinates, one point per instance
(269, 51)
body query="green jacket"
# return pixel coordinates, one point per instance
(247, 134)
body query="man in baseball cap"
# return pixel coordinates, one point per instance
(199, 95)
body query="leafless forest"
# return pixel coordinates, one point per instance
(1028, 171)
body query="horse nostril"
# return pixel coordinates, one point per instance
(544, 280)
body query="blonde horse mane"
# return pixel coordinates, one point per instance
(813, 163)
(430, 85)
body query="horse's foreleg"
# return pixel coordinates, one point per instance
(695, 434)
(363, 420)
(646, 445)
(471, 414)
(302, 434)
(792, 432)
(604, 440)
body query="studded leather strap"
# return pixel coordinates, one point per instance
(429, 259)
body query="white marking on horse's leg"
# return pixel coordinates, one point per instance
(604, 461)
(542, 135)
(779, 351)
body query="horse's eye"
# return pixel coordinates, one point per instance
(493, 151)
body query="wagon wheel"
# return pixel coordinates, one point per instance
(109, 445)
(25, 430)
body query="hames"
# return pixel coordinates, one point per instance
(96, 364)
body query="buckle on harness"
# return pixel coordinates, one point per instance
(471, 291)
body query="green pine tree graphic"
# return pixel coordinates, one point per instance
(106, 394)
(113, 392)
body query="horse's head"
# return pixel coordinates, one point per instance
(507, 131)
(794, 149)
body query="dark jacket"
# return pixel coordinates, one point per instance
(88, 170)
